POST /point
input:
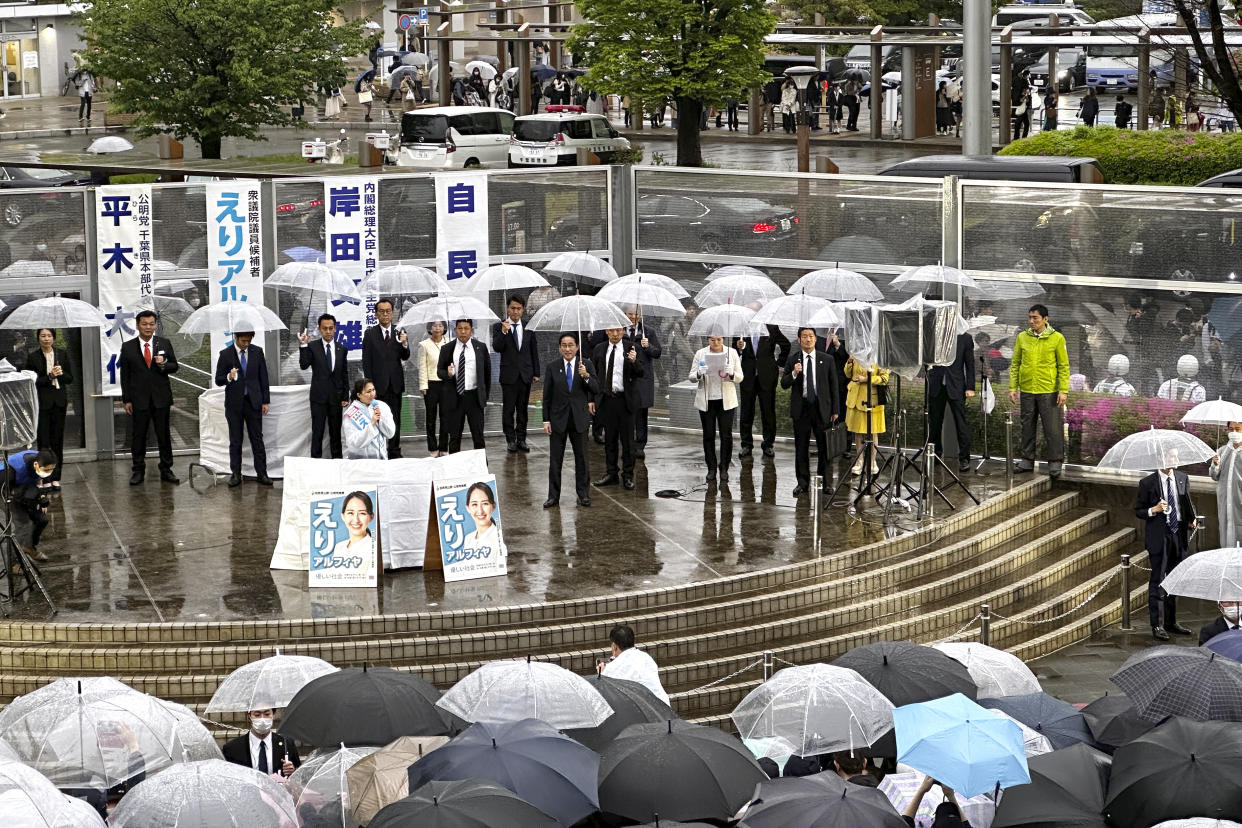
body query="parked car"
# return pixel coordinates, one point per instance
(16, 209)
(454, 137)
(554, 138)
(1071, 69)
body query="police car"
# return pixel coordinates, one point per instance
(554, 138)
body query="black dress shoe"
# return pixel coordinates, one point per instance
(1176, 629)
(608, 480)
(743, 454)
(711, 476)
(799, 490)
(639, 454)
(523, 447)
(768, 451)
(1159, 634)
(627, 482)
(136, 478)
(169, 477)
(234, 481)
(264, 480)
(511, 446)
(599, 438)
(550, 502)
(584, 501)
(963, 465)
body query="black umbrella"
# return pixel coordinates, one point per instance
(1182, 681)
(1066, 791)
(1113, 721)
(668, 823)
(907, 673)
(676, 770)
(824, 800)
(631, 703)
(1179, 769)
(856, 75)
(542, 72)
(469, 803)
(529, 757)
(364, 706)
(1060, 722)
(368, 75)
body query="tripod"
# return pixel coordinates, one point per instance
(985, 383)
(12, 556)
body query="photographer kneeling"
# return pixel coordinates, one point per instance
(23, 473)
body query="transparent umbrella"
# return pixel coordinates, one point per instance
(109, 143)
(269, 682)
(1025, 287)
(55, 312)
(734, 270)
(316, 278)
(995, 672)
(383, 777)
(817, 708)
(510, 690)
(197, 743)
(1156, 448)
(320, 787)
(210, 794)
(7, 754)
(931, 279)
(580, 266)
(486, 70)
(739, 289)
(790, 311)
(1035, 743)
(1217, 412)
(578, 313)
(505, 278)
(415, 59)
(29, 800)
(447, 309)
(659, 280)
(723, 320)
(1213, 575)
(837, 284)
(408, 280)
(230, 316)
(649, 297)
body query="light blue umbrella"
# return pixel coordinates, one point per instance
(967, 747)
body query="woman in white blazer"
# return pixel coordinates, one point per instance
(718, 372)
(366, 425)
(432, 388)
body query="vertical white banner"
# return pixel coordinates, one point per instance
(461, 226)
(123, 252)
(234, 248)
(351, 241)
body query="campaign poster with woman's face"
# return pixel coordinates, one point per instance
(344, 539)
(471, 543)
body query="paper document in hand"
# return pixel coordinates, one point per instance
(717, 363)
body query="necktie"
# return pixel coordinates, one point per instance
(517, 334)
(569, 374)
(461, 371)
(754, 343)
(385, 334)
(809, 369)
(327, 352)
(1171, 499)
(243, 363)
(263, 757)
(612, 383)
(146, 353)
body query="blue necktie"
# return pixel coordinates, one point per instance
(1171, 512)
(245, 390)
(263, 768)
(569, 374)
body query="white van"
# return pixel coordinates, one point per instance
(453, 137)
(1068, 15)
(554, 138)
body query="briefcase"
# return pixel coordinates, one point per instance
(838, 440)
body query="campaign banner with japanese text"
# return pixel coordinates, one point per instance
(461, 226)
(344, 539)
(123, 252)
(468, 515)
(351, 242)
(234, 248)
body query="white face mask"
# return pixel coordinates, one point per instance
(40, 247)
(1231, 613)
(1235, 437)
(43, 473)
(261, 726)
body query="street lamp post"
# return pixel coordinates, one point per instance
(801, 76)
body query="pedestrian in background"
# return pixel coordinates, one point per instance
(1022, 116)
(1050, 110)
(86, 93)
(789, 104)
(1157, 107)
(366, 94)
(833, 101)
(1121, 113)
(849, 99)
(1089, 109)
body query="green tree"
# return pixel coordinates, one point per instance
(211, 69)
(1219, 63)
(698, 52)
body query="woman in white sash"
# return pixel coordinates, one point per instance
(367, 425)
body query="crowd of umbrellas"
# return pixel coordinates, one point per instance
(519, 743)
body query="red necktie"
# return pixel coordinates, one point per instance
(385, 336)
(146, 353)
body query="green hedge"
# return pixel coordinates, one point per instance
(1167, 156)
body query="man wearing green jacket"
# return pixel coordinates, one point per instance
(1039, 379)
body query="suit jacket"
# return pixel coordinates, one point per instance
(646, 381)
(559, 401)
(381, 362)
(960, 375)
(253, 383)
(145, 387)
(237, 751)
(325, 386)
(1149, 494)
(631, 373)
(827, 389)
(763, 366)
(1209, 631)
(516, 364)
(50, 397)
(482, 368)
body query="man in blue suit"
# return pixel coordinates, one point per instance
(242, 371)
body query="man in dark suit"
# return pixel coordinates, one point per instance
(647, 343)
(617, 403)
(519, 368)
(329, 385)
(263, 749)
(1163, 503)
(242, 370)
(762, 356)
(467, 367)
(812, 405)
(146, 362)
(1230, 618)
(384, 349)
(569, 386)
(951, 385)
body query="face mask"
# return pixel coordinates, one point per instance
(40, 247)
(1231, 613)
(261, 726)
(43, 473)
(1235, 437)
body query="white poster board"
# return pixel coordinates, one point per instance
(470, 531)
(344, 538)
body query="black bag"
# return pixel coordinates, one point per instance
(838, 440)
(881, 394)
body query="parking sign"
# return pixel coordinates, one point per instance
(422, 15)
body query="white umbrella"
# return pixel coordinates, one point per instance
(169, 307)
(7, 754)
(578, 313)
(577, 265)
(230, 316)
(321, 780)
(55, 312)
(207, 794)
(29, 267)
(1156, 448)
(1213, 575)
(447, 309)
(78, 813)
(415, 59)
(652, 299)
(817, 708)
(735, 270)
(995, 672)
(506, 691)
(1198, 822)
(269, 682)
(372, 25)
(315, 277)
(1004, 289)
(197, 743)
(504, 278)
(836, 284)
(1034, 743)
(109, 143)
(723, 320)
(410, 280)
(659, 280)
(925, 277)
(29, 800)
(790, 311)
(486, 70)
(1217, 412)
(829, 317)
(739, 289)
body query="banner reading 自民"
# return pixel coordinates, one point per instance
(461, 227)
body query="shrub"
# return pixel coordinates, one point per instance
(1167, 156)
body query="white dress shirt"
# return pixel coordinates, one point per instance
(255, 741)
(472, 376)
(1164, 493)
(617, 383)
